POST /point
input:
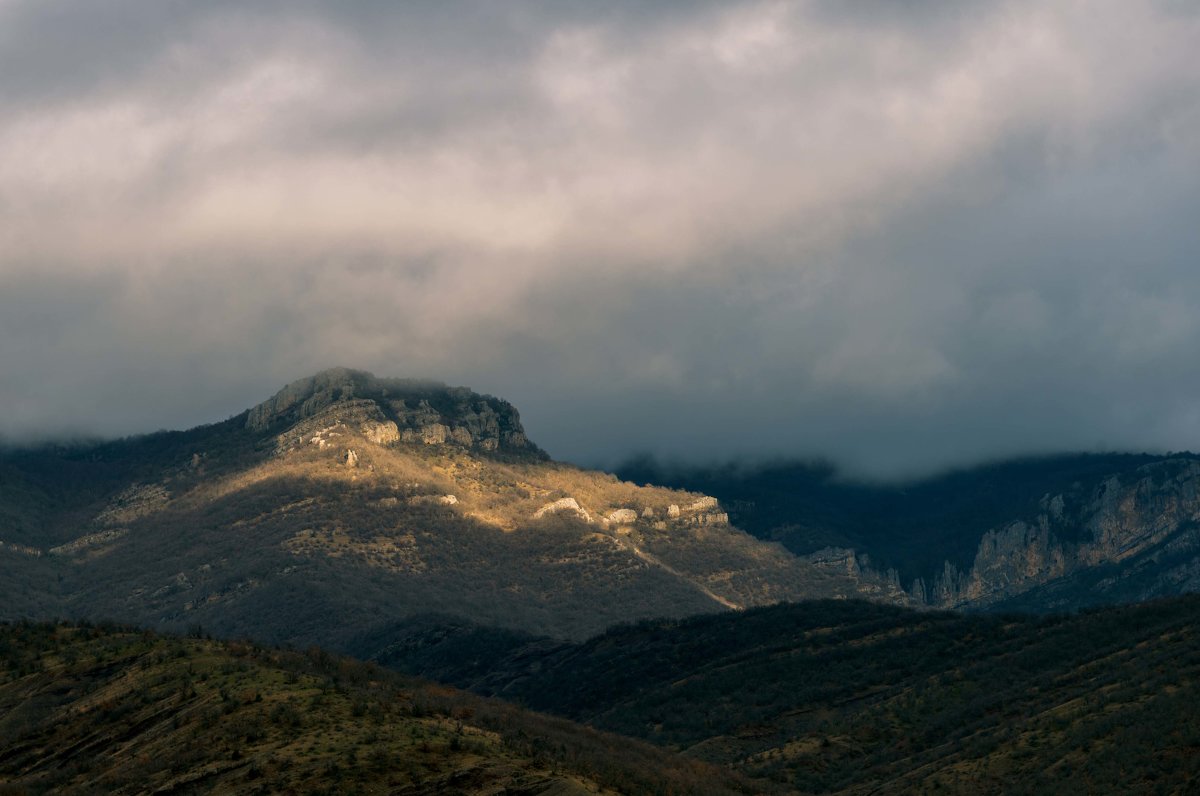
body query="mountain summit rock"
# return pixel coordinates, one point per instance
(389, 410)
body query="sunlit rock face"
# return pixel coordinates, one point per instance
(393, 410)
(567, 504)
(623, 516)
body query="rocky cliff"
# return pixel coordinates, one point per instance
(1042, 533)
(1132, 537)
(389, 411)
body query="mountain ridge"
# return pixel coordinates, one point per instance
(86, 709)
(857, 697)
(345, 495)
(1040, 533)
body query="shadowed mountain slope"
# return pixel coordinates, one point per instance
(1043, 534)
(854, 697)
(88, 710)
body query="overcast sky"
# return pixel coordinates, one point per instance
(903, 235)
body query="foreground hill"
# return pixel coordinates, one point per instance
(346, 502)
(1044, 534)
(853, 697)
(101, 710)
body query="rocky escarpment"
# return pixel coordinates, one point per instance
(871, 582)
(1129, 538)
(387, 411)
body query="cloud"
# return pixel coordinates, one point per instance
(903, 235)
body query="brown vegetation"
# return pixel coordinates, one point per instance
(88, 710)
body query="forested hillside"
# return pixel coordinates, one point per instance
(851, 697)
(86, 710)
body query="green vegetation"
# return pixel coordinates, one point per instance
(851, 697)
(87, 709)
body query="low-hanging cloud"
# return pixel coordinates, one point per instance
(901, 235)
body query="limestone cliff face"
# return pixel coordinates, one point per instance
(1145, 529)
(387, 411)
(871, 583)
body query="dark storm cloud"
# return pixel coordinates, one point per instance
(899, 234)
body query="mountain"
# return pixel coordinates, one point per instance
(853, 697)
(415, 524)
(346, 503)
(1044, 534)
(88, 709)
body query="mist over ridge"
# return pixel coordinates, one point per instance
(904, 240)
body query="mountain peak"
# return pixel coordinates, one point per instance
(409, 410)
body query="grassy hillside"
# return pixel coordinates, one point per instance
(851, 697)
(346, 503)
(103, 710)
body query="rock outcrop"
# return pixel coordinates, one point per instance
(387, 411)
(623, 516)
(872, 583)
(1140, 523)
(563, 504)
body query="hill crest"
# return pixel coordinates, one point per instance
(393, 410)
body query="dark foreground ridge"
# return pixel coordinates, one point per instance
(853, 697)
(87, 710)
